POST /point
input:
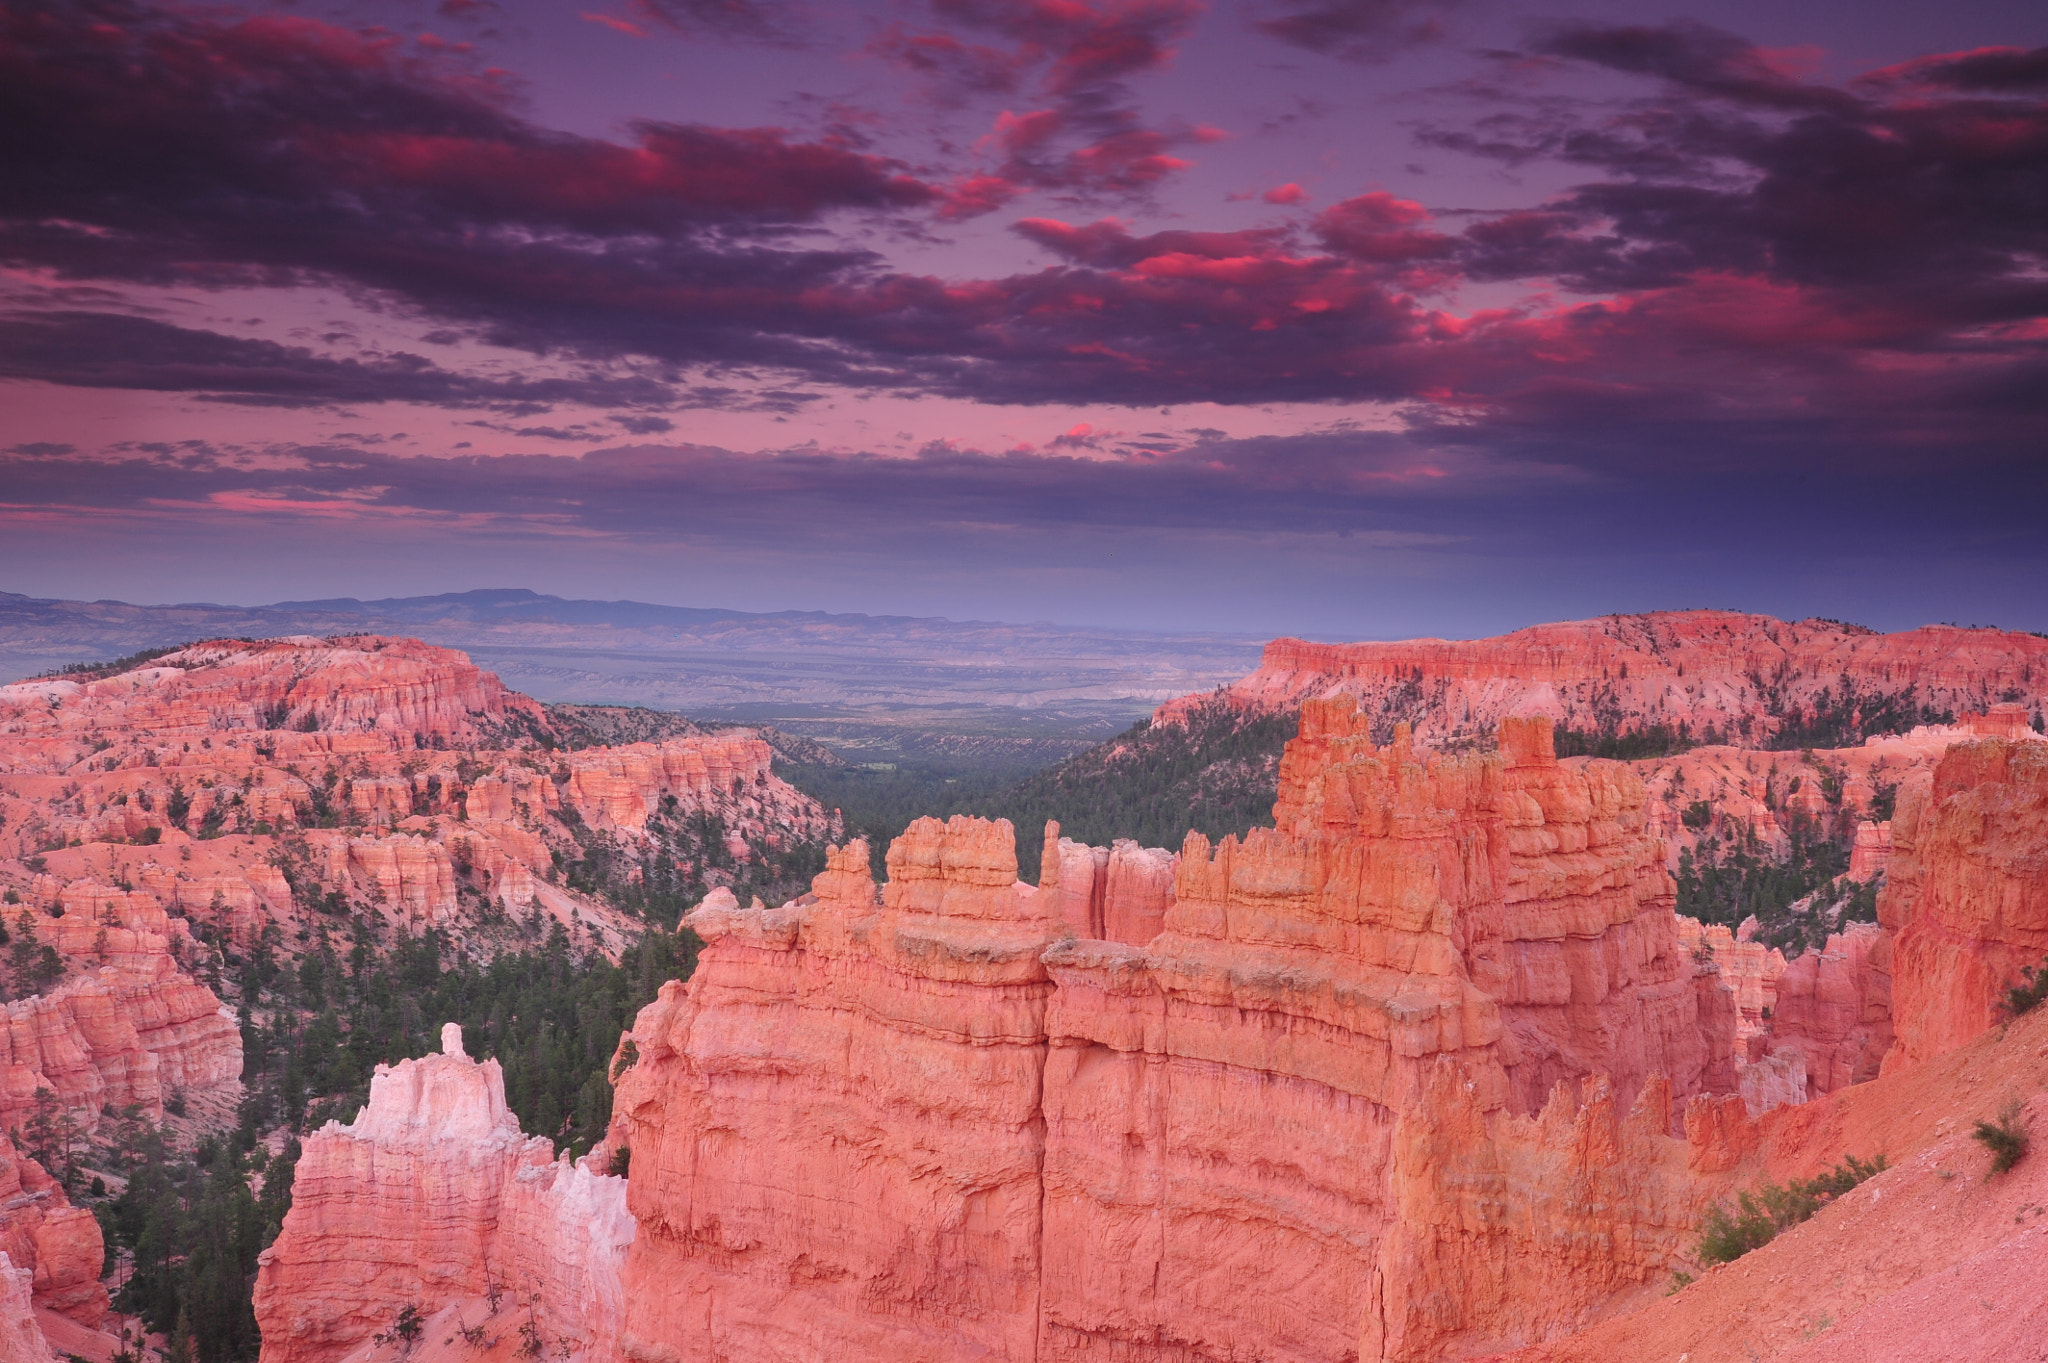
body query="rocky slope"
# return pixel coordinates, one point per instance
(432, 1199)
(1725, 676)
(1939, 1256)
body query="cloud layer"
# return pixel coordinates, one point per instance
(1744, 271)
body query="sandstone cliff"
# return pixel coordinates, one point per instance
(432, 1198)
(1930, 1260)
(1746, 677)
(1764, 793)
(1968, 893)
(961, 1118)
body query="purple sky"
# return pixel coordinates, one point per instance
(1348, 318)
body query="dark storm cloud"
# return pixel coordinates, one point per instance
(1988, 70)
(1088, 140)
(1356, 30)
(750, 21)
(1796, 271)
(109, 350)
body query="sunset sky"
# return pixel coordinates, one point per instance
(1350, 318)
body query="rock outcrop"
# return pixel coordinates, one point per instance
(55, 1245)
(127, 1025)
(21, 1339)
(433, 1198)
(963, 1118)
(1742, 677)
(1930, 1259)
(1834, 1009)
(1967, 893)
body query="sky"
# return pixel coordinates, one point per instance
(1342, 318)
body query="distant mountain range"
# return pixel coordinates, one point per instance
(1033, 678)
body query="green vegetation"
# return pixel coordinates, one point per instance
(85, 672)
(879, 801)
(190, 1225)
(1655, 740)
(1730, 875)
(2006, 1138)
(1217, 774)
(550, 1014)
(687, 854)
(184, 1232)
(1760, 1214)
(2028, 994)
(609, 726)
(1841, 716)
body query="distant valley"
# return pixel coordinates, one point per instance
(887, 689)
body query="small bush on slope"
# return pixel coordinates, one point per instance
(2005, 1138)
(2028, 994)
(1758, 1216)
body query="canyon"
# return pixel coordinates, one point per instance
(1429, 1068)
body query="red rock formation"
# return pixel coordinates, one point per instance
(1752, 791)
(1931, 1259)
(1746, 966)
(1119, 893)
(1513, 1229)
(128, 1025)
(1700, 668)
(1834, 1008)
(386, 772)
(344, 686)
(891, 1053)
(1967, 893)
(433, 1198)
(21, 1339)
(1872, 850)
(1023, 1142)
(56, 1244)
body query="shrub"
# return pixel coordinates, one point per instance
(1758, 1216)
(2027, 995)
(2005, 1138)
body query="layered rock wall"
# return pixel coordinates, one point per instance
(54, 1246)
(1966, 895)
(964, 1118)
(129, 1025)
(835, 1132)
(21, 1339)
(244, 785)
(1834, 1009)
